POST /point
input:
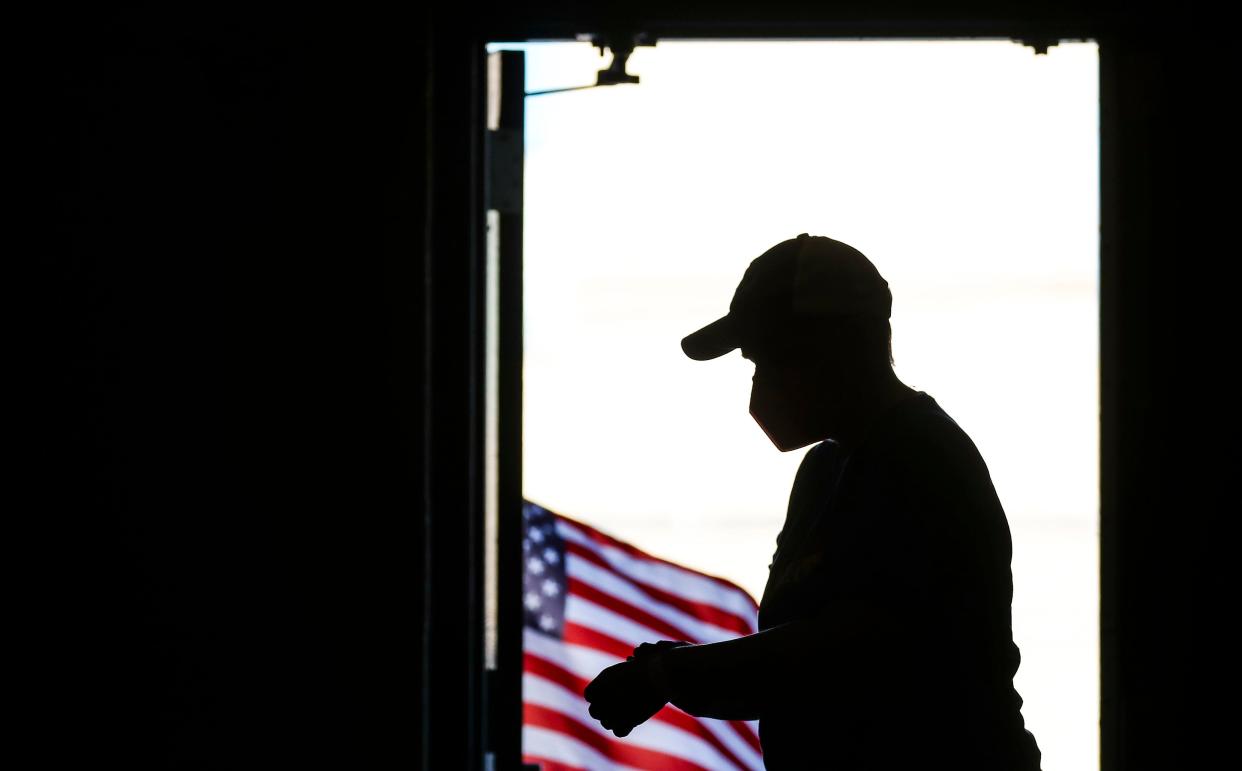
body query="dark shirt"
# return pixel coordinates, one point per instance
(903, 545)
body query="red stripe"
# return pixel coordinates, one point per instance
(640, 757)
(700, 610)
(596, 640)
(603, 599)
(747, 733)
(550, 765)
(608, 540)
(549, 670)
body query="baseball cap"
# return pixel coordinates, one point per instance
(801, 277)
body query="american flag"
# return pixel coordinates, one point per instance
(589, 601)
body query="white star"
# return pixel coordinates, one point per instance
(550, 556)
(546, 623)
(534, 565)
(536, 535)
(551, 588)
(532, 601)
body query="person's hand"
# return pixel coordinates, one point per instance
(648, 649)
(626, 695)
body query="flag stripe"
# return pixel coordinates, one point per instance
(593, 638)
(537, 665)
(583, 591)
(740, 738)
(694, 629)
(627, 630)
(653, 735)
(722, 585)
(665, 575)
(550, 765)
(709, 613)
(582, 661)
(565, 748)
(624, 750)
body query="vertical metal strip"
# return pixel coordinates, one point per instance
(508, 696)
(1110, 369)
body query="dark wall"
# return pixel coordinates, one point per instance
(236, 409)
(258, 451)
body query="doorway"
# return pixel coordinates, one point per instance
(966, 170)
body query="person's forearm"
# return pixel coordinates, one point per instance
(740, 678)
(736, 679)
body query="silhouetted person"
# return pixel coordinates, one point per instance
(885, 638)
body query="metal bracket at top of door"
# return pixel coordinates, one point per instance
(621, 45)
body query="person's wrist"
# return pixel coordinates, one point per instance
(657, 670)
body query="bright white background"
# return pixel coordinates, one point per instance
(966, 170)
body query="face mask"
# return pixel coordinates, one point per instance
(773, 411)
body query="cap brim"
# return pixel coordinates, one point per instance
(714, 340)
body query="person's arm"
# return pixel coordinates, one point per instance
(740, 679)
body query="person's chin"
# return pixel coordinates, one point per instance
(786, 444)
(785, 436)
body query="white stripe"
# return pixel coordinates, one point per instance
(582, 611)
(581, 661)
(727, 735)
(696, 630)
(562, 748)
(586, 663)
(654, 735)
(683, 583)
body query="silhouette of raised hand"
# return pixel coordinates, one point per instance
(626, 695)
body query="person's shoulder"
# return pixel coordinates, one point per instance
(921, 435)
(919, 419)
(817, 465)
(821, 455)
